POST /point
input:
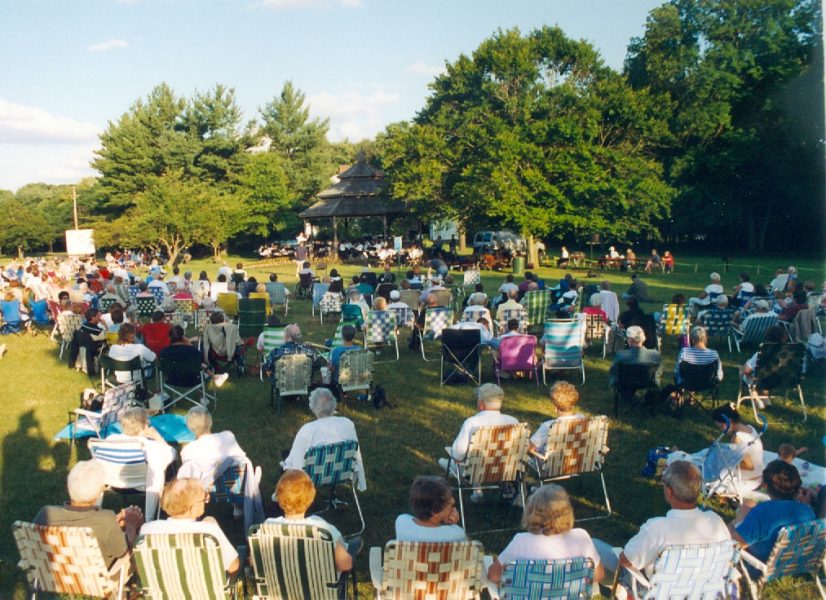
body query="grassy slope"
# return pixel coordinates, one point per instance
(397, 444)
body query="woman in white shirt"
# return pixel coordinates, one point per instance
(745, 442)
(434, 518)
(210, 450)
(126, 349)
(549, 521)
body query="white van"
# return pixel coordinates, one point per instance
(498, 240)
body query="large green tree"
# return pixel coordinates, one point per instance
(535, 133)
(24, 227)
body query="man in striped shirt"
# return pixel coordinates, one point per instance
(698, 354)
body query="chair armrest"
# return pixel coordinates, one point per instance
(636, 578)
(89, 414)
(376, 573)
(754, 562)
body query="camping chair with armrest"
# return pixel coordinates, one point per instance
(460, 354)
(381, 331)
(536, 304)
(425, 570)
(575, 447)
(332, 465)
(110, 367)
(517, 353)
(436, 320)
(531, 579)
(718, 324)
(496, 455)
(186, 380)
(563, 342)
(181, 566)
(330, 304)
(40, 320)
(116, 401)
(278, 295)
(273, 338)
(291, 377)
(295, 561)
(125, 468)
(67, 560)
(597, 329)
(752, 330)
(11, 318)
(228, 303)
(688, 571)
(799, 549)
(631, 379)
(700, 380)
(355, 372)
(779, 367)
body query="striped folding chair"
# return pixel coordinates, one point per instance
(435, 321)
(562, 340)
(799, 549)
(125, 469)
(355, 371)
(146, 305)
(779, 367)
(319, 289)
(520, 314)
(427, 570)
(66, 325)
(67, 560)
(334, 464)
(575, 447)
(330, 304)
(596, 329)
(278, 295)
(718, 323)
(752, 330)
(116, 401)
(496, 455)
(181, 566)
(689, 571)
(530, 579)
(381, 330)
(273, 338)
(295, 561)
(536, 304)
(292, 377)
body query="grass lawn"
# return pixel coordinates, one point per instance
(398, 444)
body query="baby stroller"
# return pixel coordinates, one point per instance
(721, 466)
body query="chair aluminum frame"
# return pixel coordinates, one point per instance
(754, 330)
(334, 464)
(177, 393)
(116, 401)
(435, 320)
(531, 579)
(355, 371)
(381, 330)
(109, 366)
(563, 350)
(291, 377)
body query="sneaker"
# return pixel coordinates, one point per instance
(220, 379)
(477, 497)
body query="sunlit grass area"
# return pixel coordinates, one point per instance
(399, 443)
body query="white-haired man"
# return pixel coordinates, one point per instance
(115, 533)
(707, 296)
(635, 354)
(293, 344)
(489, 398)
(326, 429)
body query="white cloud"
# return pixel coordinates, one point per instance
(111, 44)
(353, 115)
(420, 67)
(21, 124)
(309, 4)
(22, 164)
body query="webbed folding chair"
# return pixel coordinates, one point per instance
(294, 562)
(273, 338)
(319, 289)
(252, 316)
(470, 278)
(631, 379)
(752, 330)
(291, 377)
(404, 316)
(145, 305)
(799, 549)
(105, 303)
(229, 487)
(700, 380)
(132, 292)
(381, 331)
(520, 314)
(278, 295)
(779, 367)
(411, 298)
(536, 304)
(689, 571)
(718, 324)
(181, 566)
(125, 468)
(334, 464)
(186, 380)
(67, 560)
(352, 314)
(158, 293)
(66, 325)
(674, 320)
(330, 304)
(532, 579)
(228, 303)
(109, 367)
(496, 455)
(436, 320)
(575, 447)
(427, 570)
(116, 401)
(355, 372)
(563, 340)
(721, 465)
(596, 329)
(460, 353)
(186, 308)
(517, 353)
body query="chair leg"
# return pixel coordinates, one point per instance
(802, 402)
(358, 507)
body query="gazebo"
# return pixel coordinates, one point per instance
(360, 192)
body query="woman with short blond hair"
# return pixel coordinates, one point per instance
(548, 520)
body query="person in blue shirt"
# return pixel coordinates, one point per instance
(348, 335)
(758, 525)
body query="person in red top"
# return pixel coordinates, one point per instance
(156, 334)
(596, 307)
(797, 304)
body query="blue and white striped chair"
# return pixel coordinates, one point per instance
(332, 465)
(563, 343)
(753, 329)
(531, 579)
(124, 467)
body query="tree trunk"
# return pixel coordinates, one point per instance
(20, 252)
(462, 240)
(216, 252)
(533, 251)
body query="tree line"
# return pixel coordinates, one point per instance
(712, 133)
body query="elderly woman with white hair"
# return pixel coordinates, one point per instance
(134, 424)
(326, 429)
(707, 296)
(210, 451)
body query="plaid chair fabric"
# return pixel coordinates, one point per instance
(575, 446)
(278, 294)
(146, 306)
(132, 292)
(496, 454)
(158, 293)
(435, 320)
(427, 571)
(173, 566)
(329, 304)
(229, 486)
(752, 330)
(404, 316)
(355, 371)
(520, 314)
(536, 304)
(201, 320)
(551, 579)
(381, 327)
(674, 319)
(293, 561)
(63, 560)
(691, 571)
(563, 346)
(332, 464)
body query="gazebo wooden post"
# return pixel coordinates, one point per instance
(384, 222)
(335, 239)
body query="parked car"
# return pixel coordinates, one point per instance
(491, 241)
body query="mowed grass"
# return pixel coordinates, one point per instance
(399, 443)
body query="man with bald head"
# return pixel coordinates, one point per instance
(293, 344)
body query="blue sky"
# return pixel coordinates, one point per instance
(68, 68)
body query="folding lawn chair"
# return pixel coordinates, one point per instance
(105, 303)
(381, 331)
(125, 468)
(536, 304)
(517, 353)
(291, 377)
(304, 287)
(718, 324)
(496, 455)
(116, 401)
(411, 298)
(532, 579)
(330, 304)
(355, 372)
(252, 316)
(186, 380)
(181, 566)
(562, 341)
(67, 560)
(66, 325)
(352, 314)
(332, 465)
(721, 465)
(779, 367)
(186, 308)
(229, 487)
(273, 338)
(228, 303)
(520, 314)
(752, 330)
(158, 293)
(110, 367)
(674, 320)
(460, 352)
(146, 305)
(278, 295)
(631, 379)
(436, 320)
(319, 289)
(11, 319)
(261, 296)
(404, 316)
(596, 329)
(132, 292)
(470, 278)
(575, 447)
(294, 562)
(426, 570)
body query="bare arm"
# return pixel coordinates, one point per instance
(344, 562)
(495, 572)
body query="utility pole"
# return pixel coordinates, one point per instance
(74, 203)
